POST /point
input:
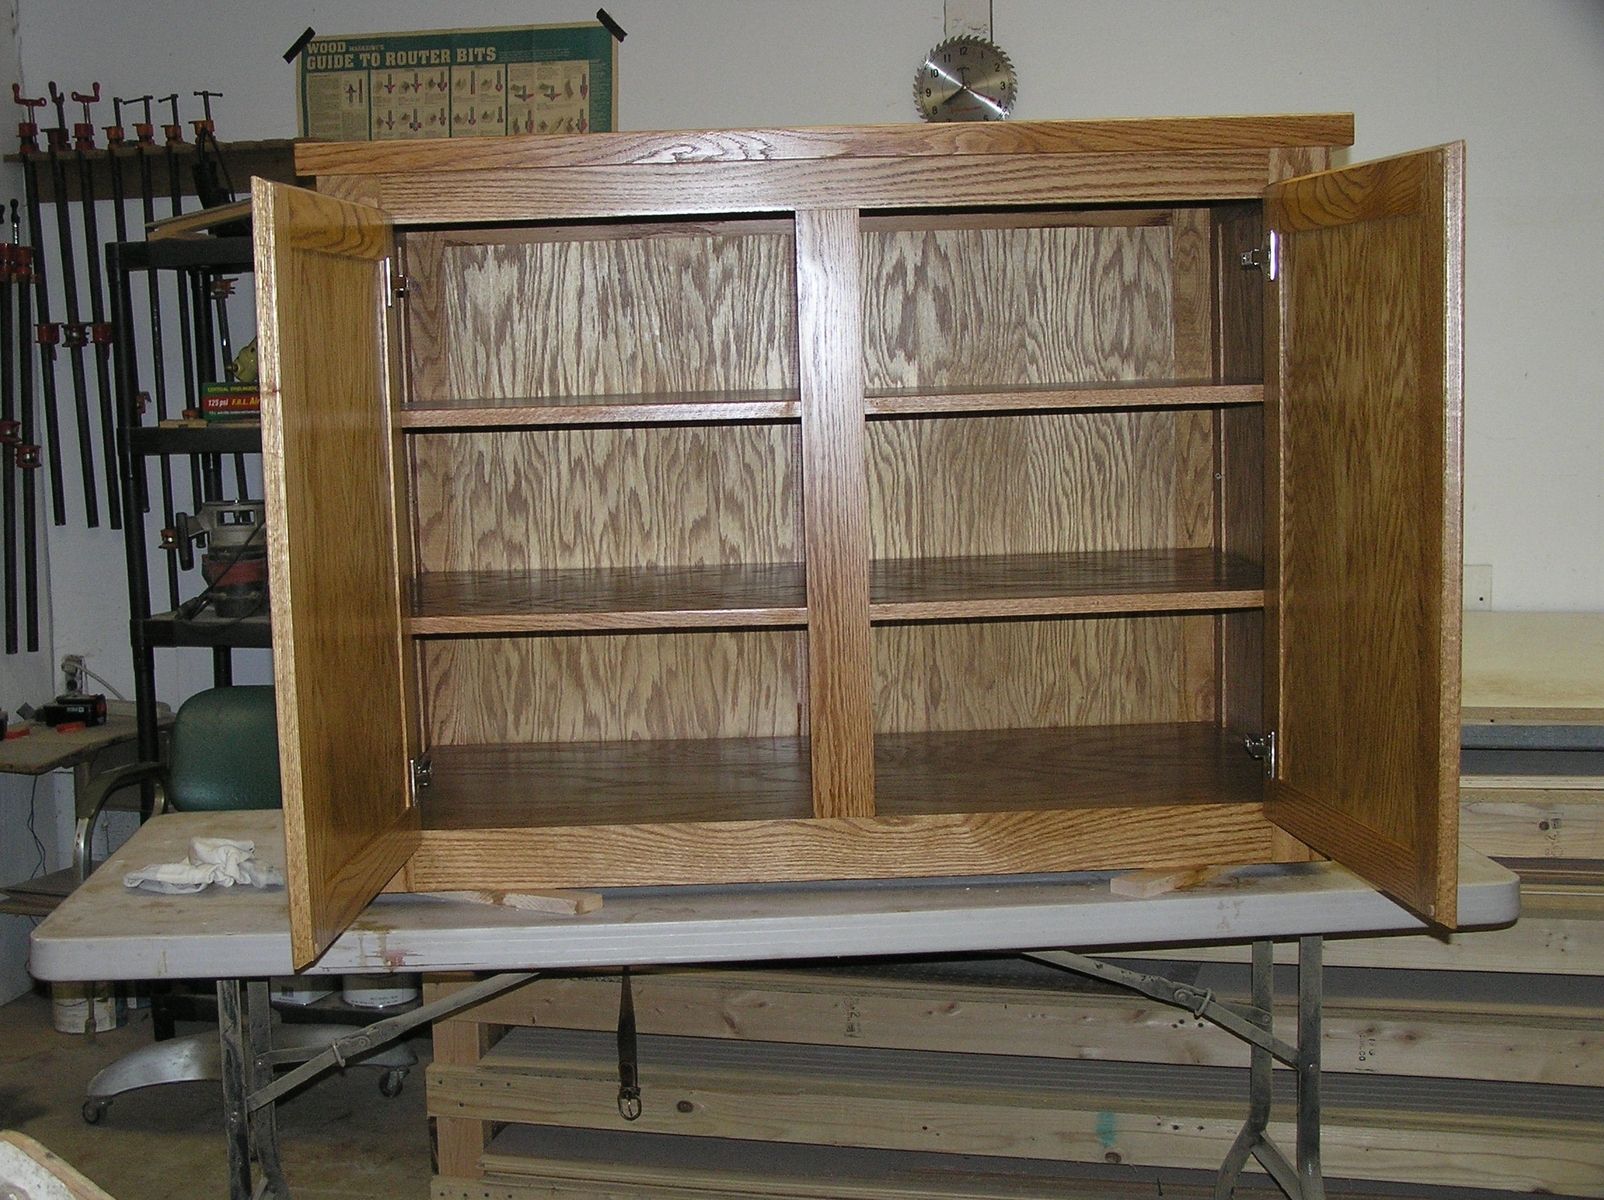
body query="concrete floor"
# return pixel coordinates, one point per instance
(339, 1137)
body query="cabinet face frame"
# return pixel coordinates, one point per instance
(640, 175)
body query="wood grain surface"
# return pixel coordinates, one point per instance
(767, 779)
(1369, 513)
(1041, 483)
(591, 598)
(1001, 398)
(746, 594)
(584, 193)
(1001, 585)
(1039, 674)
(515, 412)
(556, 499)
(954, 308)
(764, 145)
(488, 690)
(625, 316)
(329, 484)
(835, 511)
(999, 843)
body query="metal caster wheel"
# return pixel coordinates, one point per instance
(93, 1110)
(391, 1083)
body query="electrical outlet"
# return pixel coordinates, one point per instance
(1479, 585)
(72, 672)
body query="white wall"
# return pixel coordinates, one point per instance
(23, 677)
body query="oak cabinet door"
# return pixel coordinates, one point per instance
(329, 471)
(1364, 519)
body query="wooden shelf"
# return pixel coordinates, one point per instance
(577, 601)
(910, 402)
(618, 783)
(750, 595)
(647, 409)
(784, 405)
(750, 779)
(1036, 585)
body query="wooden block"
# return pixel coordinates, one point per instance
(558, 903)
(1141, 884)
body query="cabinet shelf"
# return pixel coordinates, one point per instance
(596, 599)
(1038, 585)
(916, 774)
(653, 408)
(913, 402)
(750, 595)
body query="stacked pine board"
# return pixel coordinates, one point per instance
(1469, 1062)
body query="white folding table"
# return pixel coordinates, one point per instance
(241, 937)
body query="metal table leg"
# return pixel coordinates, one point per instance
(251, 1092)
(1254, 1024)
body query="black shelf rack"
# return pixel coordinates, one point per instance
(195, 262)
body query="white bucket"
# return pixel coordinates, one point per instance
(378, 991)
(301, 990)
(69, 1007)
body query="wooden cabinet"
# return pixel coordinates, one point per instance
(840, 503)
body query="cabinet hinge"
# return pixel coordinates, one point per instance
(1266, 258)
(396, 285)
(1263, 749)
(422, 775)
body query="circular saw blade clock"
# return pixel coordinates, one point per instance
(965, 78)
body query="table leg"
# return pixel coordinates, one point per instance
(1255, 1025)
(1260, 1074)
(264, 1120)
(1311, 996)
(237, 1072)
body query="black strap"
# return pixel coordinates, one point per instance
(628, 1058)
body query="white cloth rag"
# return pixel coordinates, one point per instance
(211, 860)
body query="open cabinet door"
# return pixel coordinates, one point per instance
(1364, 519)
(328, 466)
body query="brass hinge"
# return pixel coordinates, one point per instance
(396, 285)
(1266, 258)
(422, 775)
(1263, 749)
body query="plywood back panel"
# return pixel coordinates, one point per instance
(1127, 480)
(976, 307)
(608, 497)
(480, 691)
(1041, 674)
(676, 309)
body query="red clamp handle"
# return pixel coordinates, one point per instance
(145, 133)
(101, 333)
(22, 264)
(28, 130)
(174, 134)
(10, 433)
(48, 333)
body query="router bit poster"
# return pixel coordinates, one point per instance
(458, 83)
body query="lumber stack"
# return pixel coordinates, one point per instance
(1469, 1062)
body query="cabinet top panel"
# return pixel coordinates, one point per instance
(1133, 136)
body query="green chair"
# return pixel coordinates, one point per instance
(222, 755)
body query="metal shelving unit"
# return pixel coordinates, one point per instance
(195, 262)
